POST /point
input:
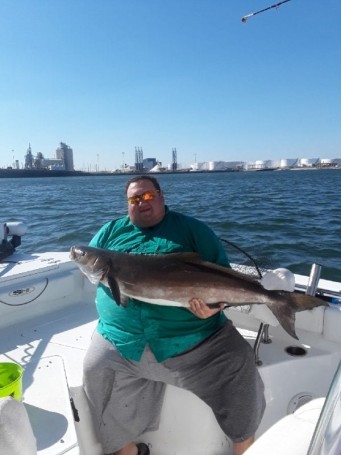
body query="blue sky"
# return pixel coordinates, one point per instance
(106, 76)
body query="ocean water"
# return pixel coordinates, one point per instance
(281, 218)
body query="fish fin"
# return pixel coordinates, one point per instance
(205, 265)
(194, 260)
(115, 290)
(124, 300)
(185, 257)
(305, 302)
(286, 317)
(292, 302)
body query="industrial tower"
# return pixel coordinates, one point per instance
(65, 153)
(138, 159)
(29, 158)
(174, 160)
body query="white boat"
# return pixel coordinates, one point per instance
(47, 317)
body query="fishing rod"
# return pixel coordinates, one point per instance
(277, 5)
(246, 254)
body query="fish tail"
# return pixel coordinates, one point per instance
(291, 303)
(303, 302)
(286, 317)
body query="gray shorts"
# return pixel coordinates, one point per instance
(126, 396)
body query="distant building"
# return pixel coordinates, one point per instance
(149, 163)
(29, 158)
(65, 153)
(307, 162)
(257, 165)
(217, 166)
(53, 164)
(158, 168)
(139, 159)
(329, 162)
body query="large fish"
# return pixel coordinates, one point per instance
(174, 279)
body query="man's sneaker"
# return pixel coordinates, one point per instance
(142, 449)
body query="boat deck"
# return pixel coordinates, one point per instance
(52, 352)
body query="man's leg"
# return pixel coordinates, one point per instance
(222, 372)
(240, 447)
(124, 405)
(130, 449)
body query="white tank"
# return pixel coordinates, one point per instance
(217, 165)
(270, 164)
(260, 164)
(307, 162)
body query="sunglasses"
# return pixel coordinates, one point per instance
(147, 196)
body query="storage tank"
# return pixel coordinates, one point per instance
(270, 164)
(288, 162)
(260, 164)
(307, 162)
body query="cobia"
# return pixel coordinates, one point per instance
(175, 278)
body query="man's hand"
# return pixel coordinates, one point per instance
(201, 310)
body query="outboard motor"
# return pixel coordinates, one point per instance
(13, 229)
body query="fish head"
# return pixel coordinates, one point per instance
(93, 262)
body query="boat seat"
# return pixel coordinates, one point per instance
(16, 435)
(292, 434)
(332, 323)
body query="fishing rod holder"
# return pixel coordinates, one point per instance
(314, 278)
(262, 337)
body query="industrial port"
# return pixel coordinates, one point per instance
(63, 165)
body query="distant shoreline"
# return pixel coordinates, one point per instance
(27, 173)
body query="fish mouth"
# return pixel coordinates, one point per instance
(72, 254)
(76, 253)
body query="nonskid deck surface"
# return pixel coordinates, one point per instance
(51, 350)
(65, 333)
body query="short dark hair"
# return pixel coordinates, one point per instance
(144, 177)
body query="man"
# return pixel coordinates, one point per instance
(196, 348)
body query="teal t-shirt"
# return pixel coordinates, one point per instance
(169, 331)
